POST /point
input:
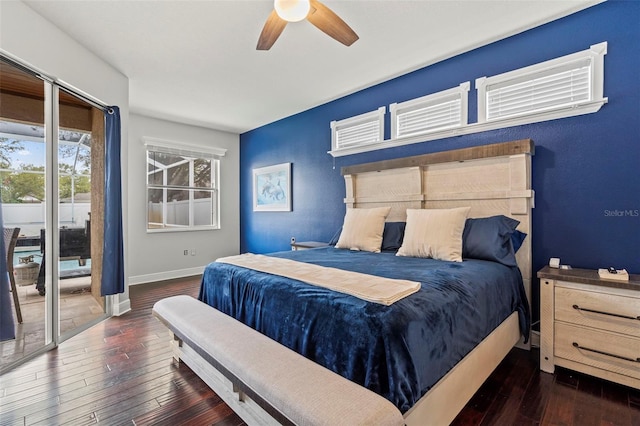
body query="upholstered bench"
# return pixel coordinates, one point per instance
(262, 380)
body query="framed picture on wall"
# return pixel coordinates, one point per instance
(272, 188)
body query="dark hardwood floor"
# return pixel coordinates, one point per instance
(121, 372)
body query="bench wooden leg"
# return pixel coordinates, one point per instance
(239, 394)
(176, 346)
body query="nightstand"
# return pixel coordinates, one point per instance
(590, 325)
(305, 245)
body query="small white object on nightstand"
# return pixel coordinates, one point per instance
(619, 275)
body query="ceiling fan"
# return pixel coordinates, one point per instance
(318, 14)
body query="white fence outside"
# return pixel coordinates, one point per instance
(30, 217)
(178, 212)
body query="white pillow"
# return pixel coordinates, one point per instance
(435, 233)
(362, 229)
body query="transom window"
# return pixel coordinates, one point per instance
(431, 113)
(182, 188)
(562, 87)
(358, 131)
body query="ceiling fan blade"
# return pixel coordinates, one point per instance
(271, 31)
(331, 24)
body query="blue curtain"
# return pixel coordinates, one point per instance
(113, 253)
(7, 329)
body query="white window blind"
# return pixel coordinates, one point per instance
(183, 149)
(431, 113)
(359, 134)
(361, 130)
(559, 87)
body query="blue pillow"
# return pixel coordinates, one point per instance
(517, 238)
(492, 238)
(391, 236)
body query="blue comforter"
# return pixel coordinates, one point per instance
(398, 351)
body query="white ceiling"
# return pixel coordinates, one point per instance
(195, 62)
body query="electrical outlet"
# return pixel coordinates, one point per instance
(186, 252)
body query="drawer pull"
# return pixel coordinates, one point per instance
(578, 308)
(577, 345)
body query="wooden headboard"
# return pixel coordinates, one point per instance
(491, 179)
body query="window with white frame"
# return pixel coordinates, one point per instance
(355, 132)
(562, 87)
(182, 186)
(438, 111)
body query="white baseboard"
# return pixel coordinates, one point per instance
(119, 308)
(168, 275)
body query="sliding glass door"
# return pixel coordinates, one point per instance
(80, 129)
(23, 173)
(49, 140)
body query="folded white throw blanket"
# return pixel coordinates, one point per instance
(368, 287)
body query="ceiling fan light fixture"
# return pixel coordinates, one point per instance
(292, 10)
(321, 17)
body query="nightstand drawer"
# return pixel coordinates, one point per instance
(607, 351)
(599, 310)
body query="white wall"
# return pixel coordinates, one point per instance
(159, 256)
(27, 36)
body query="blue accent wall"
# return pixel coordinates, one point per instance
(586, 171)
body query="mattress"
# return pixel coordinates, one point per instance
(398, 351)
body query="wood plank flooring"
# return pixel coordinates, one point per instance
(77, 308)
(120, 372)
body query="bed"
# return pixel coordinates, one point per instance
(398, 351)
(430, 351)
